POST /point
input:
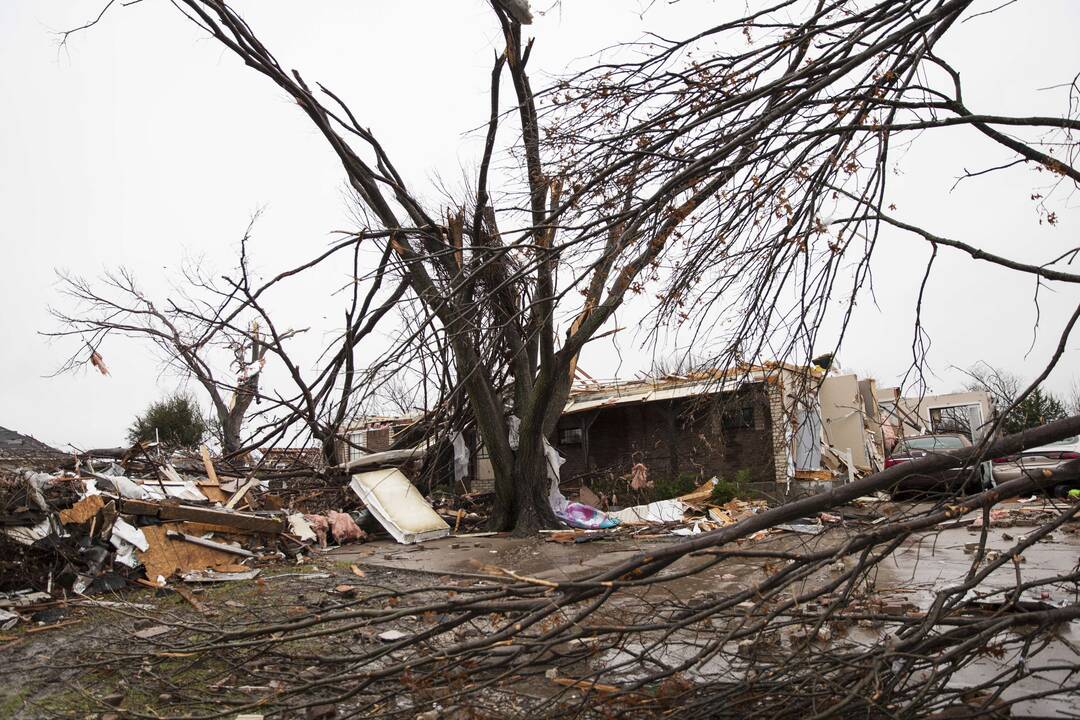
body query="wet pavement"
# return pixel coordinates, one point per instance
(926, 563)
(929, 562)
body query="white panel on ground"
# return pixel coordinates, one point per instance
(399, 506)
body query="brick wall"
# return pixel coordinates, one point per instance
(781, 422)
(706, 436)
(378, 439)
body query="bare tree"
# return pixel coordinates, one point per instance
(743, 185)
(1073, 397)
(217, 332)
(186, 338)
(1003, 386)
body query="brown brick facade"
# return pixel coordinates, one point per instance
(700, 437)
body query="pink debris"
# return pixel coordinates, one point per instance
(639, 477)
(321, 525)
(344, 528)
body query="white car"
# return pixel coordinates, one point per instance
(1047, 457)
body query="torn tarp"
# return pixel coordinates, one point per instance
(574, 514)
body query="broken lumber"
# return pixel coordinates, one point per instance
(164, 511)
(82, 511)
(239, 494)
(208, 465)
(388, 457)
(166, 556)
(223, 547)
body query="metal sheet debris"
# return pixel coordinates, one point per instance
(213, 576)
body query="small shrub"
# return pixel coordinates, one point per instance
(176, 420)
(724, 491)
(667, 488)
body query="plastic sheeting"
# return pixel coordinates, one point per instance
(661, 511)
(583, 516)
(574, 514)
(461, 458)
(127, 538)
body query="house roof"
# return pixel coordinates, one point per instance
(671, 387)
(13, 443)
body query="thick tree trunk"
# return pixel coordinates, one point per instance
(331, 451)
(230, 434)
(521, 499)
(532, 509)
(522, 504)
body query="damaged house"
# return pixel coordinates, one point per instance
(372, 434)
(970, 413)
(779, 429)
(784, 430)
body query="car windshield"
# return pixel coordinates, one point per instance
(935, 442)
(1066, 441)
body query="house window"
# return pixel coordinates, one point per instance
(570, 436)
(357, 438)
(965, 419)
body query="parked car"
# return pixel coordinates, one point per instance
(1047, 457)
(942, 482)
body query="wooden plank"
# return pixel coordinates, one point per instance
(170, 474)
(198, 528)
(244, 521)
(191, 599)
(43, 628)
(214, 493)
(208, 465)
(239, 494)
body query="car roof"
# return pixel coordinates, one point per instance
(1056, 446)
(933, 435)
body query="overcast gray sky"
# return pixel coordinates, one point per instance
(143, 143)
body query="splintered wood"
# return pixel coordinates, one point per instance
(82, 511)
(208, 465)
(166, 556)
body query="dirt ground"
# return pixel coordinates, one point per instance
(76, 663)
(66, 667)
